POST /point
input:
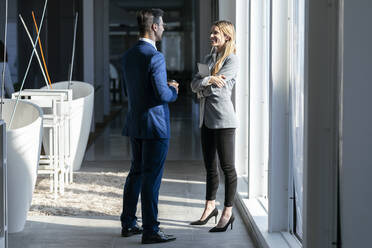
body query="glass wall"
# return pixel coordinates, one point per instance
(275, 174)
(297, 110)
(259, 83)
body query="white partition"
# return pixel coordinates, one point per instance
(23, 146)
(356, 164)
(81, 118)
(3, 189)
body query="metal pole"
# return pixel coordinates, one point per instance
(3, 188)
(41, 50)
(3, 73)
(36, 53)
(73, 50)
(29, 64)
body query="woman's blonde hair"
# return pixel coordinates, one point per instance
(227, 28)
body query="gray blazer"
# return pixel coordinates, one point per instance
(216, 108)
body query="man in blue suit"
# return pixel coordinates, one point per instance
(147, 126)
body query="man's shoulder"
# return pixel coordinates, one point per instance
(157, 58)
(158, 54)
(137, 51)
(144, 48)
(128, 53)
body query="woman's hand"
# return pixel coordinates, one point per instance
(217, 80)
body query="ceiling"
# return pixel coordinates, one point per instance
(138, 4)
(123, 12)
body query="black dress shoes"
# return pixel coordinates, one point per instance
(127, 232)
(214, 214)
(159, 237)
(224, 228)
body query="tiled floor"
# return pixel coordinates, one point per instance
(181, 197)
(184, 142)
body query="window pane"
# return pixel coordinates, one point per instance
(297, 107)
(259, 108)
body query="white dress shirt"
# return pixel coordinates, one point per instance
(149, 41)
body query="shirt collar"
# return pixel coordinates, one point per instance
(149, 41)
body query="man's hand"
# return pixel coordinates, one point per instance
(217, 80)
(173, 84)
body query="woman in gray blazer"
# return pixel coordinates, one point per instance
(218, 121)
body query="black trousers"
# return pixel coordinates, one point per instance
(221, 142)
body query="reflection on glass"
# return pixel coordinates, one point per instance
(297, 108)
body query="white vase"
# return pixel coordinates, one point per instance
(23, 153)
(81, 118)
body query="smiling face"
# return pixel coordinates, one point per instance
(218, 39)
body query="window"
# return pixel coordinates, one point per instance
(275, 116)
(296, 95)
(259, 99)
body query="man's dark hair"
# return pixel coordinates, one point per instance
(146, 18)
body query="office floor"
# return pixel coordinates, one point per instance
(181, 196)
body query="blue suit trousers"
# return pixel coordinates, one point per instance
(148, 157)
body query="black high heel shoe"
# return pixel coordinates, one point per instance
(203, 222)
(223, 229)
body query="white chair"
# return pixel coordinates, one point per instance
(56, 161)
(81, 117)
(64, 111)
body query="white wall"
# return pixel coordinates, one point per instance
(227, 9)
(101, 59)
(279, 122)
(321, 124)
(88, 36)
(3, 184)
(88, 39)
(106, 59)
(356, 168)
(258, 99)
(203, 29)
(242, 86)
(96, 54)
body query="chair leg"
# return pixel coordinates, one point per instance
(51, 182)
(56, 159)
(51, 158)
(55, 184)
(71, 174)
(61, 182)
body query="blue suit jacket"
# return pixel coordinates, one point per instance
(145, 76)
